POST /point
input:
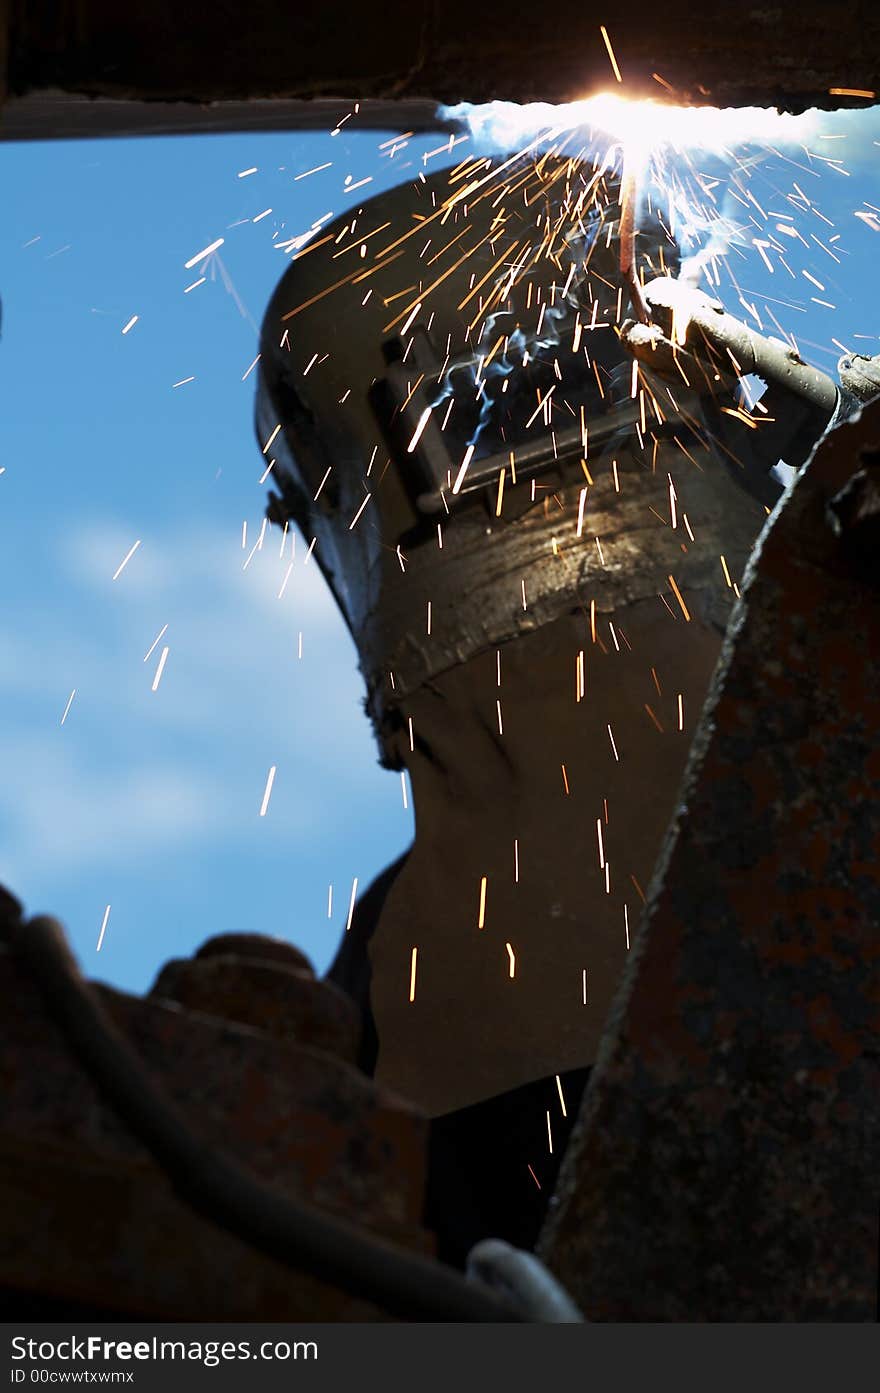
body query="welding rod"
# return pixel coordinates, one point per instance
(628, 270)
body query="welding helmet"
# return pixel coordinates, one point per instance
(452, 421)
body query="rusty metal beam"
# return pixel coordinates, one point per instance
(57, 115)
(727, 1163)
(158, 50)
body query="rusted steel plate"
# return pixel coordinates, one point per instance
(297, 1117)
(727, 1163)
(245, 978)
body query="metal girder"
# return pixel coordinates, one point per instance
(160, 50)
(727, 1161)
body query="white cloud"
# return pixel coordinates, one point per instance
(133, 771)
(67, 813)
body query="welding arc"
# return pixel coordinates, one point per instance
(405, 1284)
(628, 195)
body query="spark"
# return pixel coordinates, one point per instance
(411, 318)
(285, 580)
(459, 478)
(417, 434)
(194, 285)
(267, 792)
(354, 886)
(678, 596)
(613, 746)
(516, 861)
(549, 1133)
(205, 252)
(354, 520)
(268, 443)
(604, 32)
(246, 374)
(68, 706)
(330, 901)
(243, 173)
(565, 781)
(653, 717)
(322, 483)
(317, 170)
(534, 1177)
(403, 788)
(125, 560)
(680, 711)
(512, 960)
(626, 925)
(160, 669)
(152, 646)
(183, 381)
(584, 982)
(481, 916)
(131, 323)
(103, 929)
(561, 1098)
(412, 974)
(580, 522)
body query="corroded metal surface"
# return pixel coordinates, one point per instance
(267, 984)
(727, 1165)
(88, 1218)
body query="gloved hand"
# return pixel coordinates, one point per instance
(692, 340)
(860, 376)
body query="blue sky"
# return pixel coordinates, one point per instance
(149, 801)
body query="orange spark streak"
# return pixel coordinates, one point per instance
(604, 32)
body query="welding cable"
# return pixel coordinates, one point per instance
(522, 1278)
(406, 1285)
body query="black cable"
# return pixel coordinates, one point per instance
(406, 1285)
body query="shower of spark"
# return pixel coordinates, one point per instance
(660, 151)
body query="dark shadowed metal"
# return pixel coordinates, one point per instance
(727, 1165)
(162, 50)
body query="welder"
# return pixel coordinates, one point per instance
(533, 522)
